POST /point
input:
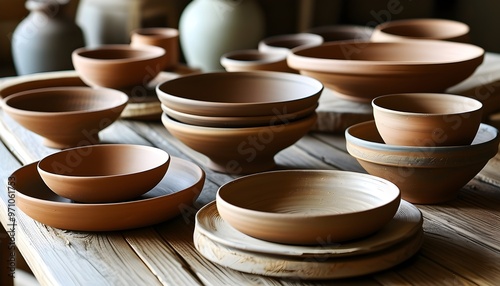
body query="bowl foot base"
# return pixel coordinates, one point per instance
(64, 143)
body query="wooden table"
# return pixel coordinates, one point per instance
(461, 244)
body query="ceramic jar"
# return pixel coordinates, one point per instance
(45, 39)
(210, 28)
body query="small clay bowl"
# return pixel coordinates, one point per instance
(163, 37)
(430, 29)
(66, 116)
(361, 71)
(238, 121)
(257, 93)
(332, 33)
(118, 66)
(239, 150)
(427, 119)
(254, 60)
(425, 175)
(308, 206)
(282, 44)
(104, 173)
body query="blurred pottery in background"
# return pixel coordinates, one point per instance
(342, 32)
(282, 44)
(166, 38)
(255, 60)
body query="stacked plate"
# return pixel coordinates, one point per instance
(308, 225)
(239, 120)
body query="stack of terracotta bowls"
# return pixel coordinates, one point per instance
(430, 145)
(286, 217)
(239, 120)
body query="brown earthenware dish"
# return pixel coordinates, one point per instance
(427, 119)
(66, 116)
(282, 44)
(255, 60)
(308, 206)
(104, 173)
(425, 175)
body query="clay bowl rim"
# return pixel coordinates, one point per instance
(376, 104)
(157, 33)
(148, 52)
(199, 107)
(463, 28)
(276, 42)
(427, 159)
(251, 57)
(235, 121)
(301, 56)
(392, 197)
(44, 169)
(345, 31)
(119, 95)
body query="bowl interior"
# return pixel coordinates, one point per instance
(427, 103)
(118, 53)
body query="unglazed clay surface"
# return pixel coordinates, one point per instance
(66, 116)
(425, 175)
(258, 93)
(308, 207)
(255, 60)
(163, 37)
(179, 188)
(104, 173)
(282, 44)
(361, 71)
(427, 119)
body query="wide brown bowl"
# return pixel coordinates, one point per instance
(255, 60)
(238, 121)
(118, 66)
(282, 44)
(427, 119)
(425, 175)
(257, 93)
(104, 173)
(66, 116)
(361, 71)
(430, 29)
(239, 150)
(308, 206)
(176, 192)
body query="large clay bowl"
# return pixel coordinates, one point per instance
(239, 150)
(361, 71)
(425, 175)
(254, 60)
(104, 173)
(177, 191)
(282, 44)
(118, 66)
(431, 29)
(308, 207)
(258, 93)
(427, 119)
(238, 121)
(66, 116)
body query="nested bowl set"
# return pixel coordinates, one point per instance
(422, 146)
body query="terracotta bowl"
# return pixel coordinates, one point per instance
(361, 71)
(118, 66)
(177, 191)
(66, 116)
(255, 60)
(163, 37)
(284, 43)
(427, 119)
(308, 207)
(431, 29)
(425, 175)
(257, 93)
(235, 121)
(332, 33)
(104, 173)
(239, 150)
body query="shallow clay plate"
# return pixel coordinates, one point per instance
(180, 187)
(406, 222)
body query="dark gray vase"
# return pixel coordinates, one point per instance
(45, 39)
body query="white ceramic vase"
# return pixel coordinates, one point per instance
(210, 28)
